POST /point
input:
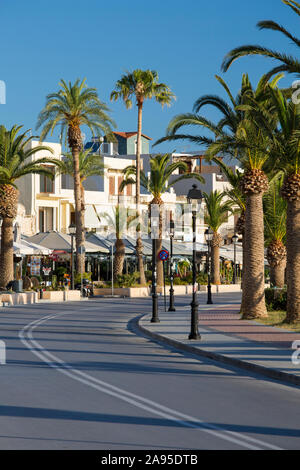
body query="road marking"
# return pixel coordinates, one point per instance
(26, 336)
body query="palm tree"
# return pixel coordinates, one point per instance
(275, 231)
(142, 85)
(216, 213)
(237, 135)
(159, 181)
(16, 160)
(286, 62)
(120, 220)
(89, 165)
(73, 106)
(286, 149)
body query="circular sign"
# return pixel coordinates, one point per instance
(163, 255)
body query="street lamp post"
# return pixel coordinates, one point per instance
(72, 232)
(194, 197)
(208, 237)
(172, 232)
(234, 241)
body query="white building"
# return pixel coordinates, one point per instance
(46, 205)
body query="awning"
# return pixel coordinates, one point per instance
(60, 241)
(91, 219)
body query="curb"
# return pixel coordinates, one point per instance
(249, 366)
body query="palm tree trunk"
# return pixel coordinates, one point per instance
(160, 265)
(253, 278)
(7, 252)
(139, 244)
(277, 274)
(215, 264)
(244, 267)
(119, 257)
(293, 260)
(79, 222)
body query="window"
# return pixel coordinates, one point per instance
(111, 185)
(189, 168)
(46, 184)
(120, 179)
(46, 219)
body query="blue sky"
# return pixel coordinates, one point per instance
(185, 41)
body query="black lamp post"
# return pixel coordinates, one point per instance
(72, 232)
(208, 237)
(172, 233)
(234, 239)
(194, 197)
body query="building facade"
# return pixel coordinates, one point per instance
(46, 205)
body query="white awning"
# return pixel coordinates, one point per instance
(91, 220)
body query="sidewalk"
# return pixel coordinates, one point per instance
(224, 337)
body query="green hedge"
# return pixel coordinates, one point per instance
(275, 299)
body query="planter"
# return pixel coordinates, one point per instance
(72, 295)
(19, 299)
(222, 288)
(123, 291)
(53, 295)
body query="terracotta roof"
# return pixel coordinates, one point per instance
(126, 135)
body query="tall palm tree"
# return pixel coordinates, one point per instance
(237, 135)
(141, 85)
(119, 221)
(286, 148)
(89, 165)
(275, 231)
(159, 181)
(286, 63)
(253, 156)
(71, 107)
(216, 213)
(16, 160)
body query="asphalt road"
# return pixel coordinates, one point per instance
(78, 376)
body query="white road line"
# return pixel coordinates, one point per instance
(26, 336)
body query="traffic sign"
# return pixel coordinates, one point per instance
(163, 255)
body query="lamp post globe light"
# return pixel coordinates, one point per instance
(208, 238)
(234, 240)
(72, 232)
(194, 198)
(172, 233)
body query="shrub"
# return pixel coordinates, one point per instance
(202, 278)
(77, 277)
(60, 272)
(54, 281)
(179, 281)
(128, 280)
(275, 299)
